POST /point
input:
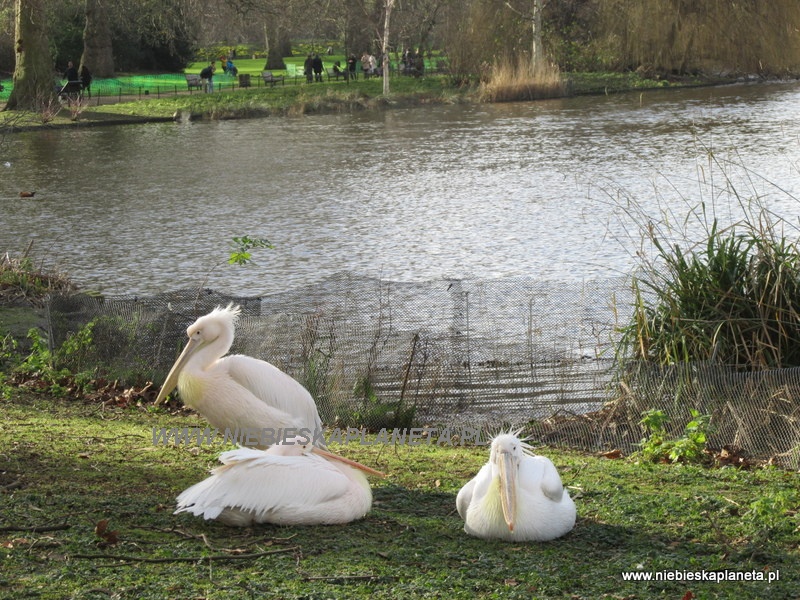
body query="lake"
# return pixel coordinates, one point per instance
(554, 189)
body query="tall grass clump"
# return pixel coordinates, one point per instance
(23, 281)
(731, 300)
(511, 80)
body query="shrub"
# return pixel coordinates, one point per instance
(731, 301)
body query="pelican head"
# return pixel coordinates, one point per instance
(506, 455)
(216, 326)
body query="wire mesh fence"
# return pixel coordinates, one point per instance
(452, 354)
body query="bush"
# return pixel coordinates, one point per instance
(732, 301)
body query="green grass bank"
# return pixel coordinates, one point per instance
(86, 501)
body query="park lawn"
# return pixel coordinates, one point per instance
(289, 99)
(67, 466)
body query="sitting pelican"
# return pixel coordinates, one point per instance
(237, 391)
(517, 496)
(291, 483)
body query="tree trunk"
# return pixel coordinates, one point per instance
(34, 84)
(537, 48)
(275, 54)
(389, 4)
(97, 51)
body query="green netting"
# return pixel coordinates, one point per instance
(453, 353)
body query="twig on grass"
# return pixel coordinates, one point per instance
(349, 577)
(216, 557)
(13, 485)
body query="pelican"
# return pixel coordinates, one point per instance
(517, 496)
(291, 483)
(237, 391)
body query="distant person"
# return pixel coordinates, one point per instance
(351, 66)
(71, 74)
(337, 69)
(207, 75)
(73, 85)
(419, 64)
(365, 65)
(231, 69)
(86, 80)
(308, 69)
(316, 64)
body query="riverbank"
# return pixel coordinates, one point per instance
(330, 97)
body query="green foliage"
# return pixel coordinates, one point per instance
(8, 360)
(240, 254)
(772, 514)
(46, 366)
(689, 448)
(731, 301)
(375, 414)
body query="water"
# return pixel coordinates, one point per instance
(552, 189)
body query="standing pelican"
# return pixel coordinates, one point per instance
(517, 496)
(236, 391)
(291, 483)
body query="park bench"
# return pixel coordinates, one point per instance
(193, 81)
(334, 74)
(271, 79)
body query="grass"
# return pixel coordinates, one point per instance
(135, 98)
(70, 465)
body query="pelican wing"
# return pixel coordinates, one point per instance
(274, 387)
(538, 475)
(259, 482)
(474, 490)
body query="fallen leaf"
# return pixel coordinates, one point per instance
(108, 537)
(611, 454)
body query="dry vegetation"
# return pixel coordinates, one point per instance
(24, 282)
(512, 80)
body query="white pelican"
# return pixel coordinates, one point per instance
(291, 483)
(237, 391)
(517, 496)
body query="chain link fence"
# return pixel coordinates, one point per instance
(452, 353)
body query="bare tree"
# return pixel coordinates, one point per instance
(535, 18)
(33, 71)
(387, 8)
(97, 48)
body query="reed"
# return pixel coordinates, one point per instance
(514, 79)
(731, 300)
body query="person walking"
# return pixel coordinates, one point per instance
(86, 80)
(207, 74)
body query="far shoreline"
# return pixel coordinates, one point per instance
(304, 100)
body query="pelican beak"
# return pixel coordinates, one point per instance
(508, 488)
(172, 378)
(347, 461)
